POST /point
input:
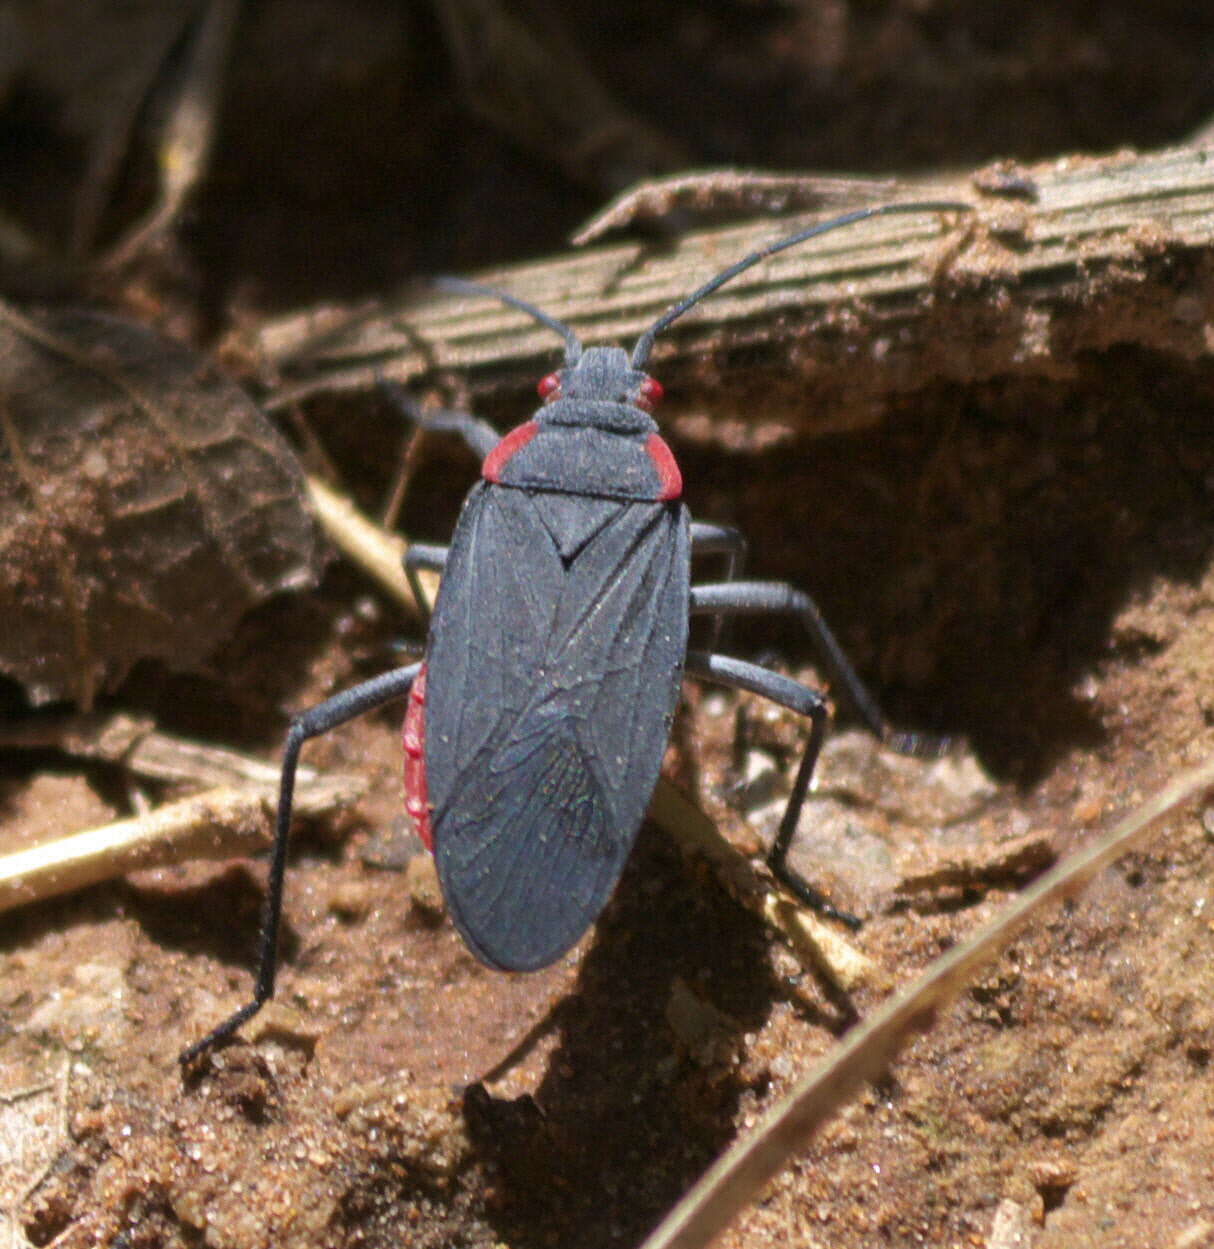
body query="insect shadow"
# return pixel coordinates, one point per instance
(644, 1083)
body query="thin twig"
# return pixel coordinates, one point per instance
(184, 145)
(736, 193)
(814, 942)
(134, 743)
(866, 1052)
(218, 824)
(378, 553)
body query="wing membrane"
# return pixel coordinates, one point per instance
(544, 737)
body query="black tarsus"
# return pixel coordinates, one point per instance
(733, 598)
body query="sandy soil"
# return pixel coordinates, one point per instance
(1025, 564)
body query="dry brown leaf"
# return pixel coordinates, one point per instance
(145, 504)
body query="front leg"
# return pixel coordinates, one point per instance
(423, 557)
(479, 435)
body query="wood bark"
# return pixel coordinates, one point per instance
(1055, 260)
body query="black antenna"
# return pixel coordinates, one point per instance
(640, 353)
(461, 286)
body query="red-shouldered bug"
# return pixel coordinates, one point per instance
(537, 721)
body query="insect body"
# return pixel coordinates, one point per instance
(536, 724)
(557, 649)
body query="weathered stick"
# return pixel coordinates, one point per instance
(1061, 259)
(218, 824)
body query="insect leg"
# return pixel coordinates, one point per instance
(478, 434)
(710, 539)
(423, 557)
(806, 702)
(311, 723)
(737, 598)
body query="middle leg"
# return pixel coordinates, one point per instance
(736, 598)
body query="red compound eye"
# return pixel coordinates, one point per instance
(649, 394)
(549, 387)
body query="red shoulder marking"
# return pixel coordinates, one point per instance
(668, 471)
(416, 797)
(515, 440)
